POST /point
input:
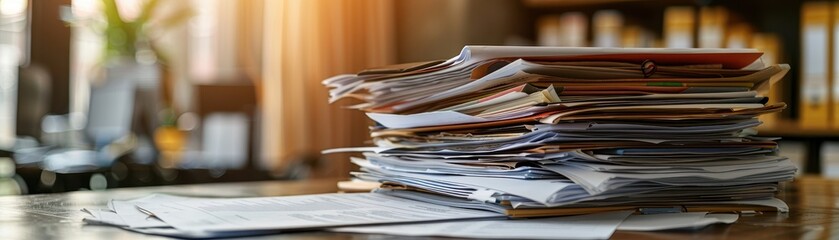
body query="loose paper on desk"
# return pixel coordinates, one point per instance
(300, 212)
(591, 226)
(134, 218)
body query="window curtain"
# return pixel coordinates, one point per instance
(304, 42)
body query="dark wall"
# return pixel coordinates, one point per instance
(438, 29)
(50, 48)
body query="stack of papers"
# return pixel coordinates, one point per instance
(190, 217)
(547, 131)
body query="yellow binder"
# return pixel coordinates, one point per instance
(814, 83)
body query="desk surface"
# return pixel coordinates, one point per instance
(814, 213)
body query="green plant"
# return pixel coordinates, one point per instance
(133, 39)
(125, 38)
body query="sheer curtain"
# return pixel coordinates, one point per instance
(304, 42)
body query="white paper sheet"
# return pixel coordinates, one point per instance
(669, 221)
(599, 182)
(104, 217)
(300, 212)
(134, 218)
(423, 119)
(592, 226)
(538, 190)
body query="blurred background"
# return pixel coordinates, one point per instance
(98, 94)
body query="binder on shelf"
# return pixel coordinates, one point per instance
(678, 27)
(739, 36)
(547, 30)
(636, 36)
(712, 26)
(829, 157)
(607, 25)
(574, 29)
(567, 30)
(814, 104)
(834, 68)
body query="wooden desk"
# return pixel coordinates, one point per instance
(814, 214)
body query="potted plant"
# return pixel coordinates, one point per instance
(129, 41)
(130, 55)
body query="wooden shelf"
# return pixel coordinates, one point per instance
(793, 129)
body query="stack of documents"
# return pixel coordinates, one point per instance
(191, 217)
(547, 131)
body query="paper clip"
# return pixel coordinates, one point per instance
(648, 68)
